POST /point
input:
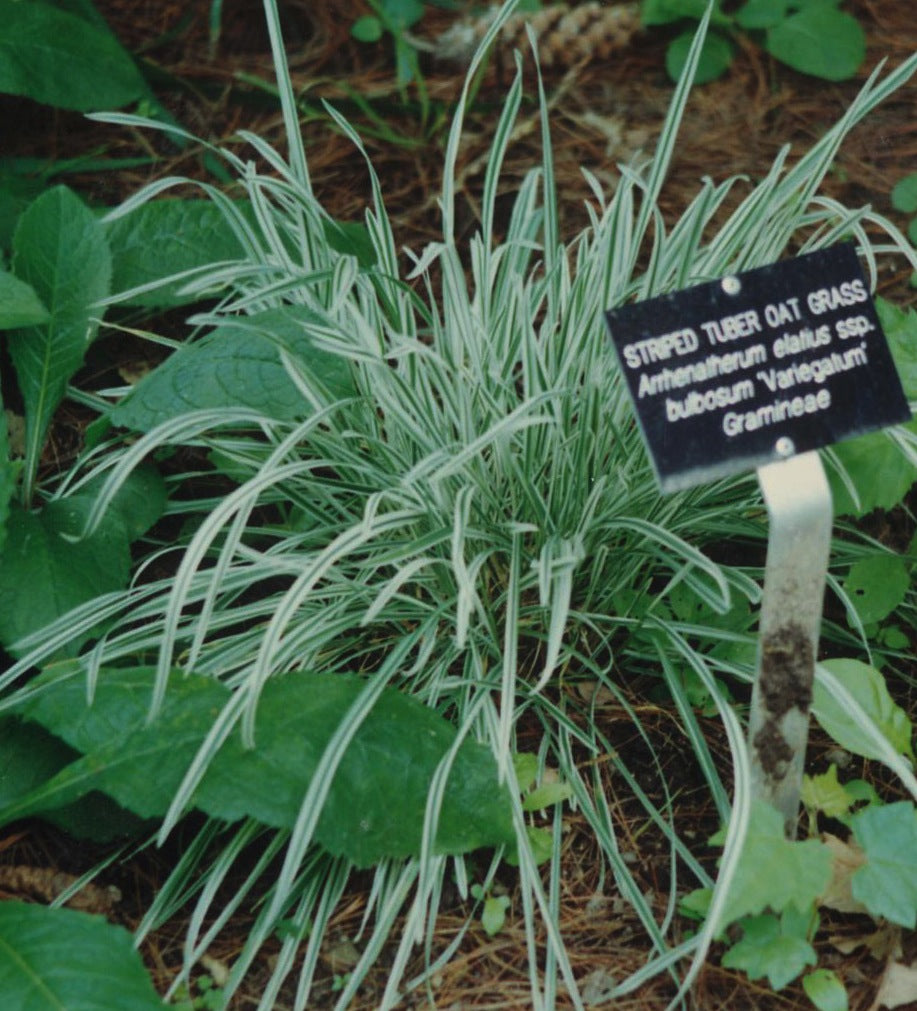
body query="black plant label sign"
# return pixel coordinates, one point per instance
(756, 367)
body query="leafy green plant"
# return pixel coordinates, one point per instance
(904, 199)
(371, 809)
(58, 281)
(812, 36)
(395, 17)
(202, 995)
(62, 53)
(780, 885)
(51, 958)
(876, 471)
(493, 911)
(455, 526)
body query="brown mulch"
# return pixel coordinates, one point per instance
(602, 112)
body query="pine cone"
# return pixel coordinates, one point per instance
(566, 35)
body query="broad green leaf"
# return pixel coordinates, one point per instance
(29, 756)
(525, 765)
(904, 194)
(696, 904)
(55, 57)
(887, 883)
(44, 571)
(715, 57)
(115, 741)
(376, 804)
(881, 474)
(138, 503)
(766, 949)
(862, 792)
(663, 12)
(868, 687)
(168, 236)
(7, 476)
(493, 916)
(774, 872)
(84, 9)
(64, 960)
(58, 249)
(825, 990)
(367, 29)
(44, 574)
(876, 586)
(541, 843)
(16, 193)
(237, 364)
(165, 237)
(19, 305)
(350, 238)
(824, 793)
(761, 13)
(893, 637)
(820, 41)
(900, 326)
(402, 13)
(912, 232)
(546, 795)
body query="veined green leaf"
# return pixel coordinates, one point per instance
(887, 883)
(900, 326)
(238, 364)
(19, 305)
(762, 13)
(84, 9)
(546, 795)
(367, 29)
(7, 476)
(30, 756)
(44, 571)
(880, 472)
(60, 958)
(493, 916)
(55, 57)
(904, 194)
(58, 249)
(876, 586)
(138, 503)
(377, 800)
(824, 793)
(165, 237)
(868, 688)
(820, 41)
(715, 57)
(44, 574)
(774, 872)
(770, 948)
(662, 12)
(825, 990)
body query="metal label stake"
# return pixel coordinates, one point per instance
(759, 370)
(799, 507)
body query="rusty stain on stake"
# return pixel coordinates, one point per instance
(798, 502)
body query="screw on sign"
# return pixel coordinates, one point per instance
(758, 370)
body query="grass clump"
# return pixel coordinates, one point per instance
(473, 523)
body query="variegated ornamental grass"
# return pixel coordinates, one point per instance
(461, 510)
